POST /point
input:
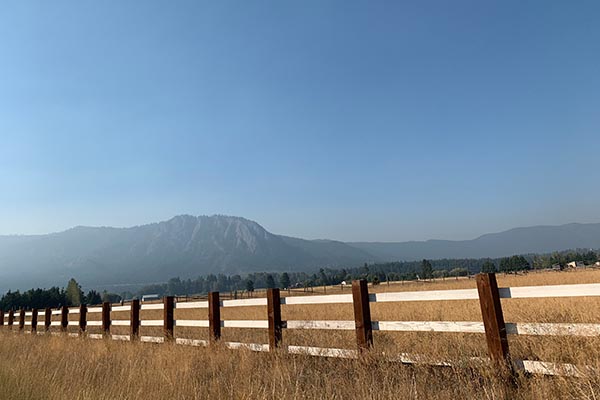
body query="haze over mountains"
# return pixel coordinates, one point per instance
(189, 246)
(534, 239)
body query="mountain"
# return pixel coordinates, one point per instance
(535, 239)
(188, 246)
(184, 246)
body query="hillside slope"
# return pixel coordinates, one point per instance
(184, 246)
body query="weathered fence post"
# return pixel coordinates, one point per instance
(274, 316)
(64, 318)
(493, 320)
(214, 316)
(11, 318)
(362, 314)
(47, 319)
(82, 319)
(34, 318)
(1, 317)
(168, 320)
(134, 320)
(21, 320)
(106, 319)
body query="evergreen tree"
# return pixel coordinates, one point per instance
(426, 270)
(249, 285)
(323, 277)
(270, 282)
(93, 297)
(110, 297)
(285, 280)
(505, 265)
(74, 293)
(488, 267)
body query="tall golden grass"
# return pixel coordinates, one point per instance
(50, 367)
(63, 368)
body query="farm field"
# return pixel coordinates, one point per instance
(54, 367)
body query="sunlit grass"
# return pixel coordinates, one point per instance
(48, 367)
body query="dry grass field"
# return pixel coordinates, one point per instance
(50, 367)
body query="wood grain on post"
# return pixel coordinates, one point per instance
(214, 316)
(274, 316)
(106, 319)
(64, 318)
(362, 314)
(82, 318)
(47, 319)
(11, 318)
(34, 318)
(134, 320)
(493, 320)
(168, 319)
(21, 320)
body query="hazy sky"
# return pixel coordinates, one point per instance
(345, 120)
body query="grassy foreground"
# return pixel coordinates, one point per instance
(61, 368)
(54, 367)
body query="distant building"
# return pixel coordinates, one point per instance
(148, 297)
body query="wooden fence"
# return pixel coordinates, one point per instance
(492, 324)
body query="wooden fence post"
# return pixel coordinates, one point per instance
(168, 320)
(493, 320)
(134, 320)
(362, 314)
(21, 320)
(274, 316)
(82, 319)
(214, 316)
(34, 318)
(11, 318)
(1, 317)
(64, 318)
(47, 319)
(106, 319)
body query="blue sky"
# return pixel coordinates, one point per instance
(320, 119)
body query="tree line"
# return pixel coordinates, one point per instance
(53, 297)
(374, 273)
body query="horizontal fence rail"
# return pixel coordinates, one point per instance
(487, 293)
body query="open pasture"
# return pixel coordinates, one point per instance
(171, 371)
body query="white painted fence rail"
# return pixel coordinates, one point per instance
(152, 306)
(337, 325)
(526, 292)
(192, 304)
(429, 295)
(325, 299)
(429, 326)
(191, 323)
(253, 324)
(244, 302)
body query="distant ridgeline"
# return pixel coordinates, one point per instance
(374, 273)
